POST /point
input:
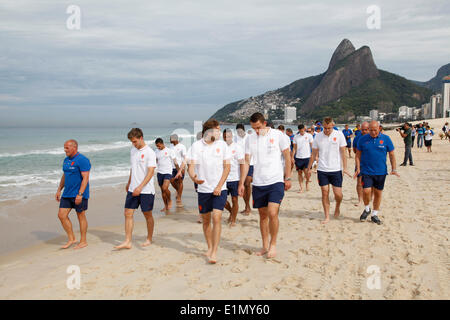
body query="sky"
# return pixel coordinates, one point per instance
(154, 62)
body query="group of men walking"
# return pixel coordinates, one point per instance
(256, 165)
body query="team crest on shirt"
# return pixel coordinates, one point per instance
(165, 153)
(234, 151)
(218, 150)
(73, 162)
(334, 139)
(142, 156)
(271, 141)
(381, 141)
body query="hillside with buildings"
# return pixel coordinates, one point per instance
(350, 87)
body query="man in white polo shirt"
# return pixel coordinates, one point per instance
(180, 154)
(237, 162)
(330, 144)
(240, 139)
(270, 178)
(210, 158)
(302, 149)
(165, 159)
(140, 187)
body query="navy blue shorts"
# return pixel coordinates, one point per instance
(301, 164)
(67, 203)
(265, 194)
(144, 200)
(208, 201)
(162, 177)
(250, 172)
(232, 188)
(369, 181)
(333, 178)
(349, 143)
(174, 173)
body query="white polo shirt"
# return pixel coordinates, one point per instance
(180, 153)
(141, 160)
(303, 143)
(164, 160)
(329, 150)
(241, 141)
(209, 160)
(237, 156)
(267, 152)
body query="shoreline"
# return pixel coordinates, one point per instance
(411, 248)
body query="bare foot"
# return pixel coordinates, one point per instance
(81, 245)
(146, 243)
(68, 244)
(357, 204)
(170, 205)
(301, 191)
(199, 221)
(325, 221)
(337, 212)
(179, 204)
(124, 245)
(163, 209)
(246, 212)
(232, 224)
(207, 253)
(261, 252)
(272, 252)
(212, 259)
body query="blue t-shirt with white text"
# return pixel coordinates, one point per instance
(373, 153)
(72, 168)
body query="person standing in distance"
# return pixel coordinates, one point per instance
(165, 161)
(75, 182)
(270, 179)
(348, 134)
(370, 160)
(140, 187)
(406, 135)
(302, 148)
(330, 146)
(359, 189)
(180, 154)
(210, 157)
(240, 139)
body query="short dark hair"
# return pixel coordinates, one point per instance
(328, 120)
(225, 131)
(135, 133)
(301, 126)
(280, 127)
(289, 130)
(240, 126)
(210, 124)
(270, 124)
(257, 116)
(159, 140)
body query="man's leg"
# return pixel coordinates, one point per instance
(216, 230)
(166, 191)
(349, 152)
(179, 192)
(63, 215)
(247, 194)
(128, 213)
(359, 191)
(326, 202)
(410, 156)
(83, 229)
(338, 198)
(234, 210)
(150, 226)
(377, 199)
(274, 224)
(307, 179)
(264, 228)
(300, 180)
(207, 231)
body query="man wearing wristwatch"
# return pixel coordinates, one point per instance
(75, 182)
(371, 152)
(266, 146)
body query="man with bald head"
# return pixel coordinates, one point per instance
(75, 182)
(364, 129)
(371, 152)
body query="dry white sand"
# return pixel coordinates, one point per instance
(314, 261)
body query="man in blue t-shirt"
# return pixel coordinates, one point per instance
(348, 137)
(75, 182)
(371, 153)
(420, 132)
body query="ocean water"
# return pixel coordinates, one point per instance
(31, 158)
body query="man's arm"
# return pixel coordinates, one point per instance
(357, 163)
(128, 183)
(225, 173)
(393, 163)
(344, 161)
(60, 187)
(148, 177)
(287, 169)
(244, 171)
(84, 182)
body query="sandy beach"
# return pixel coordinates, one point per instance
(314, 261)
